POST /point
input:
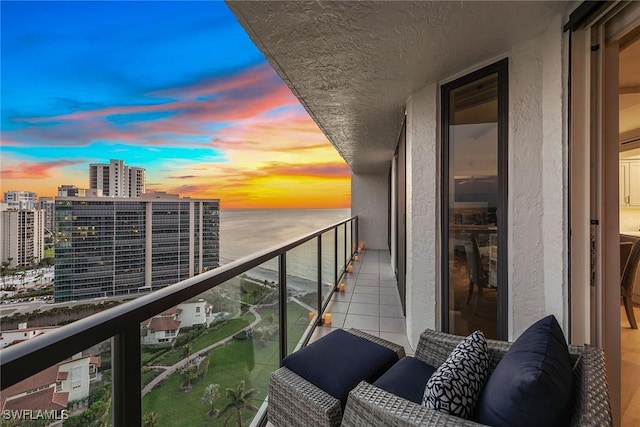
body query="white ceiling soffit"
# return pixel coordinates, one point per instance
(354, 64)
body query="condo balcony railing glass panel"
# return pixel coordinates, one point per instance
(204, 348)
(228, 340)
(302, 293)
(341, 249)
(329, 269)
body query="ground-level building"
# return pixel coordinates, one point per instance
(477, 133)
(22, 234)
(54, 388)
(119, 246)
(195, 313)
(23, 333)
(165, 327)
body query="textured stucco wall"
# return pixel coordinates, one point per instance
(537, 192)
(537, 182)
(370, 201)
(422, 213)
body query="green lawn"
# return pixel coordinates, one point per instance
(50, 252)
(211, 336)
(248, 360)
(228, 365)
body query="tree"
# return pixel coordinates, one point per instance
(186, 350)
(239, 400)
(4, 271)
(151, 419)
(190, 373)
(209, 398)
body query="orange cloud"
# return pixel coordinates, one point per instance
(37, 170)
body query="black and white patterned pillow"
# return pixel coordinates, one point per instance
(455, 386)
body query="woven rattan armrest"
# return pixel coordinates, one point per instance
(434, 348)
(369, 406)
(592, 406)
(293, 399)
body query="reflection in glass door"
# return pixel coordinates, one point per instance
(474, 202)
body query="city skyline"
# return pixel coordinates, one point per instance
(176, 88)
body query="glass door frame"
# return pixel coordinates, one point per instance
(501, 68)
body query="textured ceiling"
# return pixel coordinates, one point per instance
(354, 64)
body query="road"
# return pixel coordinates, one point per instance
(171, 369)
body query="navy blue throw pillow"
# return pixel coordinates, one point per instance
(337, 362)
(533, 384)
(406, 379)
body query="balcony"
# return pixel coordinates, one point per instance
(186, 383)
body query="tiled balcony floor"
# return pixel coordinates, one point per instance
(370, 302)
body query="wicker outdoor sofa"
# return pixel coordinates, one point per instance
(368, 405)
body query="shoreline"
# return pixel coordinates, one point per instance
(301, 285)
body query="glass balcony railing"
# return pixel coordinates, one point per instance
(199, 352)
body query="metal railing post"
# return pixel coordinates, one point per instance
(335, 256)
(353, 236)
(357, 232)
(127, 378)
(282, 273)
(319, 260)
(346, 257)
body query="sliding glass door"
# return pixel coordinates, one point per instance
(474, 200)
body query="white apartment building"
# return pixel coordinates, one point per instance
(23, 333)
(115, 179)
(48, 205)
(194, 313)
(21, 199)
(55, 387)
(21, 235)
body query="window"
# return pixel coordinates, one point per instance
(76, 377)
(474, 201)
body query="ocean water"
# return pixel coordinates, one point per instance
(244, 232)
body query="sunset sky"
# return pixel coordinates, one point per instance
(175, 87)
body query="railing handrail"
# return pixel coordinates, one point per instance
(30, 357)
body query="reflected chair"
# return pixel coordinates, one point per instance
(631, 253)
(478, 276)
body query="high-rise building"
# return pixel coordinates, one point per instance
(115, 179)
(68, 191)
(22, 236)
(137, 181)
(120, 246)
(73, 191)
(47, 204)
(21, 199)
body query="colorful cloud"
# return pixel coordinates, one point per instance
(217, 123)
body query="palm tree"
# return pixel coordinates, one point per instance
(239, 400)
(209, 398)
(186, 350)
(190, 373)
